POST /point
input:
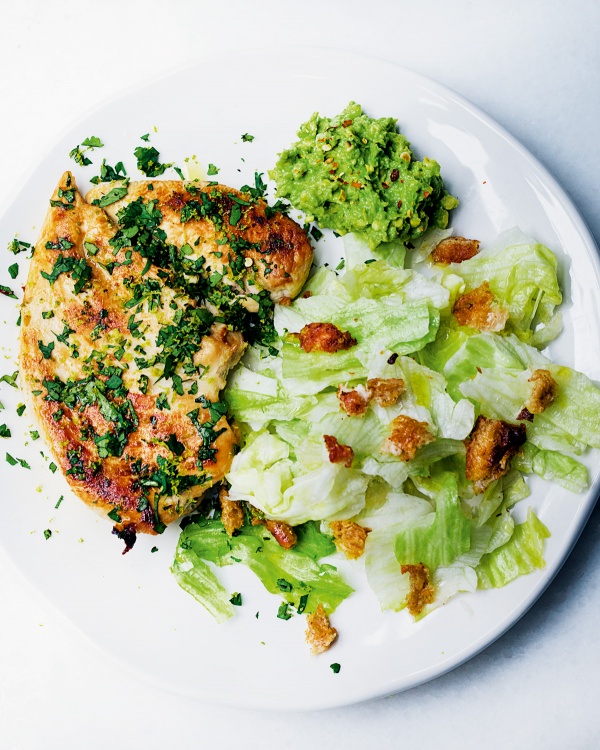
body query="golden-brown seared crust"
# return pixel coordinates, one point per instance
(385, 391)
(89, 331)
(544, 390)
(278, 253)
(478, 309)
(454, 250)
(354, 401)
(421, 591)
(338, 453)
(232, 513)
(406, 436)
(319, 633)
(490, 448)
(324, 337)
(349, 538)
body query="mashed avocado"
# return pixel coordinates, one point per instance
(355, 174)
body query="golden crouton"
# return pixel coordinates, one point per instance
(407, 435)
(324, 337)
(284, 533)
(385, 391)
(543, 391)
(338, 454)
(490, 448)
(354, 401)
(454, 250)
(421, 591)
(319, 633)
(232, 513)
(349, 538)
(476, 309)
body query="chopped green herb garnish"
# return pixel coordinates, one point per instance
(154, 549)
(10, 379)
(20, 409)
(114, 515)
(111, 197)
(90, 247)
(46, 349)
(13, 270)
(110, 174)
(60, 499)
(18, 246)
(246, 137)
(35, 435)
(4, 431)
(335, 667)
(148, 162)
(212, 170)
(7, 292)
(284, 585)
(236, 599)
(282, 612)
(47, 534)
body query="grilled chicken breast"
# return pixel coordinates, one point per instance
(121, 356)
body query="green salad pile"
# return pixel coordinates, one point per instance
(398, 308)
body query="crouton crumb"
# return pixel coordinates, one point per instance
(406, 436)
(284, 533)
(349, 538)
(338, 454)
(319, 633)
(543, 391)
(454, 250)
(354, 401)
(385, 391)
(490, 449)
(477, 309)
(324, 337)
(421, 591)
(232, 513)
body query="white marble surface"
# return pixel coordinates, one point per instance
(533, 66)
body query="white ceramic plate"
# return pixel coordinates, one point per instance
(130, 606)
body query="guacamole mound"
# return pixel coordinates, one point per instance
(352, 173)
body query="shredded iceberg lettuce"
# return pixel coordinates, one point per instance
(418, 512)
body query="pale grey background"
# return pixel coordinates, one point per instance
(534, 67)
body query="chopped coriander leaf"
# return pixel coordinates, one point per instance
(79, 157)
(212, 170)
(109, 174)
(90, 247)
(62, 243)
(282, 612)
(247, 138)
(4, 431)
(46, 349)
(20, 409)
(154, 549)
(10, 379)
(47, 534)
(53, 467)
(179, 172)
(13, 270)
(7, 292)
(371, 260)
(12, 461)
(148, 162)
(302, 604)
(114, 515)
(284, 585)
(316, 233)
(18, 246)
(145, 137)
(35, 435)
(60, 499)
(340, 265)
(335, 667)
(77, 267)
(162, 402)
(236, 599)
(92, 142)
(111, 197)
